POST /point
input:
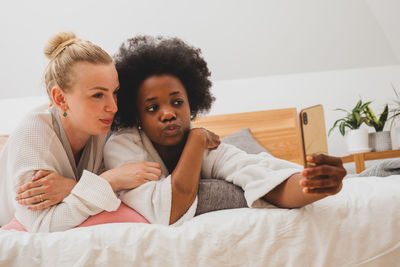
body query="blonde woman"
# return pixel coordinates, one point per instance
(54, 158)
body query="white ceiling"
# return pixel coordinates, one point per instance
(239, 39)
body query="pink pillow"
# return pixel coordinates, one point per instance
(123, 214)
(14, 224)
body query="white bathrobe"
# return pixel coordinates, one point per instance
(255, 174)
(39, 143)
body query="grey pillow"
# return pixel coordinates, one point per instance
(382, 168)
(245, 141)
(217, 194)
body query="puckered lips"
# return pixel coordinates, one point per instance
(107, 121)
(171, 130)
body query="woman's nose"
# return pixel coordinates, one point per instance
(167, 114)
(112, 105)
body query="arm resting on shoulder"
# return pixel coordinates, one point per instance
(91, 195)
(186, 175)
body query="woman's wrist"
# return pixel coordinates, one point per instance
(109, 177)
(199, 135)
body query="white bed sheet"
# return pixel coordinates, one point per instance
(358, 227)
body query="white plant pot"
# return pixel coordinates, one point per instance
(357, 141)
(380, 141)
(371, 141)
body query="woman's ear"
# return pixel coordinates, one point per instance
(59, 99)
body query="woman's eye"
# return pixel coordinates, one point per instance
(151, 108)
(98, 95)
(178, 102)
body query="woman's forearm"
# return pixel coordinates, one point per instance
(185, 177)
(90, 196)
(45, 189)
(289, 194)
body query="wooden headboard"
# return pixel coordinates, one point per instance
(277, 130)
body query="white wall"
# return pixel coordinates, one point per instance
(12, 111)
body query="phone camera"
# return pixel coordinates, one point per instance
(305, 118)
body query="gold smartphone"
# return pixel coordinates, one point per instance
(313, 132)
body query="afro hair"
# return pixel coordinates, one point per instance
(144, 56)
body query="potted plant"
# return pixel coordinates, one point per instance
(380, 140)
(356, 137)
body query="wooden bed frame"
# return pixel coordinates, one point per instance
(277, 130)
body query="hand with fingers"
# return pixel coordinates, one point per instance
(45, 189)
(132, 175)
(212, 140)
(323, 178)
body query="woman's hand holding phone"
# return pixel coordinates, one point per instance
(325, 177)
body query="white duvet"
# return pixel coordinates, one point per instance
(358, 227)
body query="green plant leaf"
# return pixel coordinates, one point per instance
(371, 117)
(378, 124)
(366, 121)
(383, 117)
(352, 120)
(349, 125)
(395, 91)
(341, 109)
(334, 126)
(395, 111)
(365, 105)
(358, 105)
(394, 114)
(342, 128)
(357, 118)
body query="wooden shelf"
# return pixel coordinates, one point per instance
(360, 158)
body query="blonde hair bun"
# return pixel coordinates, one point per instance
(64, 50)
(57, 43)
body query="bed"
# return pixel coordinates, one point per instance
(360, 226)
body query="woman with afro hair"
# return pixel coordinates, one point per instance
(164, 84)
